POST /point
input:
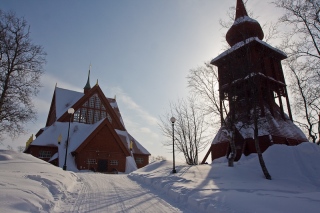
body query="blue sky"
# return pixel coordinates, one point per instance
(140, 50)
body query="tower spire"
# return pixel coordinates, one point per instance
(240, 10)
(87, 87)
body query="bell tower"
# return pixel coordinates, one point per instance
(250, 75)
(251, 67)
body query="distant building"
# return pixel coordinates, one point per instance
(98, 139)
(251, 75)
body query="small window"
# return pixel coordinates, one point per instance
(91, 161)
(91, 102)
(83, 115)
(139, 160)
(90, 116)
(103, 114)
(98, 103)
(45, 154)
(76, 116)
(96, 116)
(114, 162)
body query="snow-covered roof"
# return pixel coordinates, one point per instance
(243, 43)
(268, 125)
(126, 138)
(113, 103)
(78, 133)
(65, 99)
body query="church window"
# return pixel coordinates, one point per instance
(91, 102)
(90, 116)
(92, 111)
(76, 116)
(139, 160)
(114, 162)
(45, 154)
(103, 114)
(83, 115)
(91, 161)
(96, 116)
(98, 103)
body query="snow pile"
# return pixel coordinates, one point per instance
(218, 188)
(28, 184)
(130, 164)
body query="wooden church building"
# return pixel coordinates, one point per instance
(98, 139)
(252, 86)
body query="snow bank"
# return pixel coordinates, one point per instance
(28, 184)
(218, 188)
(130, 164)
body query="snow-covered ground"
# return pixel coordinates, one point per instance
(295, 184)
(28, 184)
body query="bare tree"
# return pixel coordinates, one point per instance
(9, 148)
(204, 84)
(21, 148)
(301, 42)
(189, 129)
(21, 65)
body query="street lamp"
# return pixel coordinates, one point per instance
(173, 119)
(70, 112)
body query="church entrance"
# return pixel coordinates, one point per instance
(102, 165)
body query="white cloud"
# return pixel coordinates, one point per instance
(48, 81)
(136, 110)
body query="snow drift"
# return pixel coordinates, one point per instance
(218, 188)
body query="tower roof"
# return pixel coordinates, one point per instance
(243, 27)
(87, 86)
(240, 10)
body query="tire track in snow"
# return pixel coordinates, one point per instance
(116, 194)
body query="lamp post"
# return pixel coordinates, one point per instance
(173, 119)
(70, 112)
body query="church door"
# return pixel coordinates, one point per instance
(102, 166)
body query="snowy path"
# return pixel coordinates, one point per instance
(114, 194)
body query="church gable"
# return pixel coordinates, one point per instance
(91, 111)
(94, 142)
(100, 139)
(93, 107)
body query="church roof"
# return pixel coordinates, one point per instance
(65, 99)
(127, 138)
(243, 27)
(241, 44)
